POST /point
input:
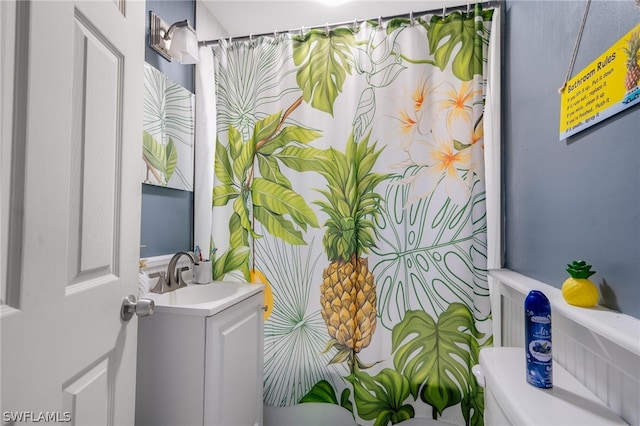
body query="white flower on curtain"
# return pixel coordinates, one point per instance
(439, 161)
(458, 103)
(416, 102)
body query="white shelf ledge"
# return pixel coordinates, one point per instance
(619, 328)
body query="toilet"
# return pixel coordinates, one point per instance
(510, 400)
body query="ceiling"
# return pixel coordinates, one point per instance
(242, 18)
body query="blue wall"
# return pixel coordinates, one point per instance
(573, 199)
(167, 214)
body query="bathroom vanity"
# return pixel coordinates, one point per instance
(200, 357)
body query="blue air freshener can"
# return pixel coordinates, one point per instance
(537, 321)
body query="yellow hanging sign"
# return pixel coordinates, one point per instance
(607, 86)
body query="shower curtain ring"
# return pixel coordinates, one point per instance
(355, 25)
(379, 21)
(326, 28)
(468, 8)
(411, 17)
(251, 37)
(444, 11)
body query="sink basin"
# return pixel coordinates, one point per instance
(203, 299)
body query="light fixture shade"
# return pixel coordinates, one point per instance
(184, 45)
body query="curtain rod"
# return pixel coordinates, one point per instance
(409, 15)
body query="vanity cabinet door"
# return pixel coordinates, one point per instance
(234, 364)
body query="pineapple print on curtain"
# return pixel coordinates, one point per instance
(349, 178)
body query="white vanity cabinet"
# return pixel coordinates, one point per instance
(196, 369)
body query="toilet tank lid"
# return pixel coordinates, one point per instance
(569, 402)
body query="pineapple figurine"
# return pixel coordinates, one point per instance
(633, 54)
(578, 290)
(348, 289)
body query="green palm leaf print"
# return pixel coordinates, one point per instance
(163, 158)
(323, 64)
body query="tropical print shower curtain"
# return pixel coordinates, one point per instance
(349, 178)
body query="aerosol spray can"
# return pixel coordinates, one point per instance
(537, 321)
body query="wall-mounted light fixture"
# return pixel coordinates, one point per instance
(177, 41)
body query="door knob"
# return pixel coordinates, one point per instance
(142, 308)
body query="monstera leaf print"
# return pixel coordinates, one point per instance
(324, 392)
(381, 397)
(472, 404)
(424, 266)
(323, 63)
(458, 32)
(436, 357)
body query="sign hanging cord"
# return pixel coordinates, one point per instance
(575, 48)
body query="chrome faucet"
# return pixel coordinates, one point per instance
(172, 279)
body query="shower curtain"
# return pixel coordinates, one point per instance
(349, 178)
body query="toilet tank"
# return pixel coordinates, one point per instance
(510, 400)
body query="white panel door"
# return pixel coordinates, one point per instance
(71, 75)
